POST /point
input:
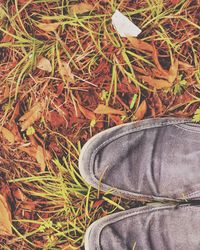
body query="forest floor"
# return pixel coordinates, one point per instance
(65, 75)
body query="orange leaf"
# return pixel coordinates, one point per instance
(5, 217)
(141, 111)
(156, 83)
(8, 135)
(140, 45)
(81, 8)
(103, 109)
(87, 113)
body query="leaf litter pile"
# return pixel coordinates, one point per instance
(65, 75)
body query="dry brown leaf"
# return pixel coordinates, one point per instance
(174, 2)
(5, 217)
(56, 119)
(140, 45)
(140, 70)
(31, 116)
(8, 135)
(18, 194)
(87, 113)
(185, 66)
(81, 8)
(156, 73)
(156, 83)
(157, 63)
(65, 71)
(103, 109)
(173, 71)
(141, 111)
(44, 64)
(40, 157)
(117, 120)
(37, 152)
(48, 26)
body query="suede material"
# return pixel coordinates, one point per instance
(160, 161)
(152, 159)
(166, 228)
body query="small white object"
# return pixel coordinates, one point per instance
(124, 26)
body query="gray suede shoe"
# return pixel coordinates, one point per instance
(153, 159)
(147, 228)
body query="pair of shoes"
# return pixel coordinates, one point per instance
(149, 160)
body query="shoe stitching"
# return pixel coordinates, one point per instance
(185, 127)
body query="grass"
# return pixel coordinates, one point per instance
(52, 206)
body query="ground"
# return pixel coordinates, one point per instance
(65, 75)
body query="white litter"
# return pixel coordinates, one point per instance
(124, 26)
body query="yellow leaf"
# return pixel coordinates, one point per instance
(103, 109)
(31, 116)
(141, 111)
(81, 8)
(5, 217)
(8, 135)
(65, 71)
(44, 64)
(40, 158)
(48, 26)
(156, 83)
(140, 45)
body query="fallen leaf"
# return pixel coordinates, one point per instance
(65, 71)
(56, 119)
(98, 203)
(140, 45)
(87, 113)
(5, 217)
(18, 194)
(156, 73)
(124, 26)
(141, 111)
(81, 8)
(174, 2)
(6, 92)
(140, 70)
(31, 116)
(38, 153)
(157, 63)
(185, 66)
(44, 64)
(60, 88)
(48, 26)
(103, 109)
(8, 135)
(40, 157)
(173, 71)
(117, 120)
(156, 83)
(8, 36)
